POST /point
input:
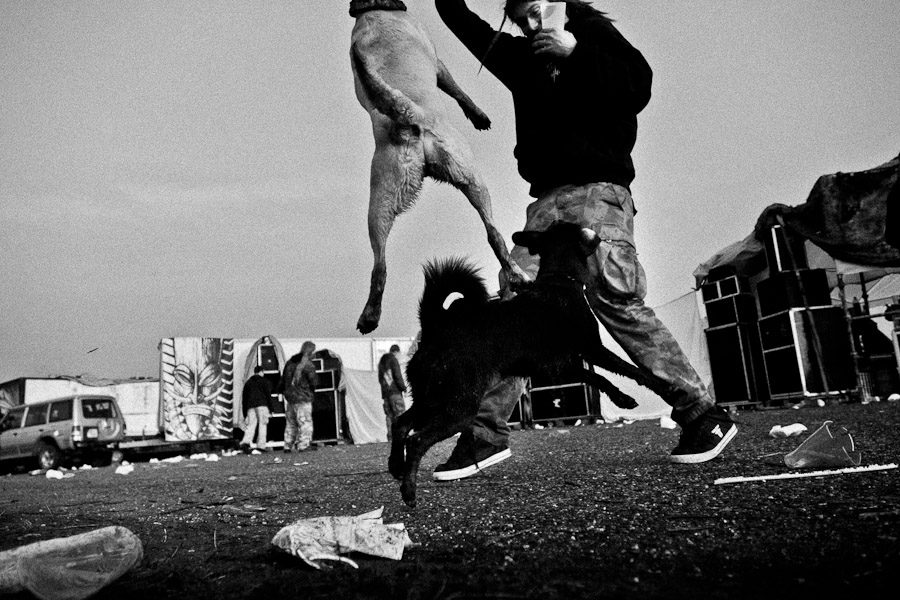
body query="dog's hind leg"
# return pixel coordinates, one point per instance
(399, 435)
(417, 444)
(450, 160)
(606, 359)
(395, 181)
(618, 397)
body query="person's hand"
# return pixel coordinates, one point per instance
(554, 42)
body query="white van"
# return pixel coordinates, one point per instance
(74, 428)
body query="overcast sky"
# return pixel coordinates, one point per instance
(200, 168)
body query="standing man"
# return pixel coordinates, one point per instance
(392, 387)
(257, 397)
(299, 391)
(576, 94)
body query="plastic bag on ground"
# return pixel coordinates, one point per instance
(823, 448)
(70, 568)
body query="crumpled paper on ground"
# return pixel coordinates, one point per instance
(824, 448)
(780, 431)
(325, 538)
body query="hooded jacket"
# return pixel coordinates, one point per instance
(257, 392)
(390, 376)
(300, 377)
(578, 126)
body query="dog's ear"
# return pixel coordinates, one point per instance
(588, 241)
(528, 239)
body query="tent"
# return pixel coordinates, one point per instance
(849, 226)
(853, 217)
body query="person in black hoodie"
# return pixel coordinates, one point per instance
(299, 380)
(256, 401)
(390, 377)
(576, 94)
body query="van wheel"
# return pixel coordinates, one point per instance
(49, 456)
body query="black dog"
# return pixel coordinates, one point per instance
(469, 342)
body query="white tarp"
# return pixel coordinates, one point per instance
(682, 317)
(365, 411)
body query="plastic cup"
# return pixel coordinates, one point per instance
(553, 15)
(823, 448)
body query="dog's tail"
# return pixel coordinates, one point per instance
(391, 102)
(452, 288)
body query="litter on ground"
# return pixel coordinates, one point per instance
(70, 568)
(781, 431)
(667, 422)
(824, 448)
(806, 474)
(325, 538)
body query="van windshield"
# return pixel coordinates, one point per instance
(96, 408)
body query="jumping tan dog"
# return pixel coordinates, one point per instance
(397, 77)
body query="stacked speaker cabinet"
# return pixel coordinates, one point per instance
(794, 368)
(328, 406)
(735, 354)
(791, 283)
(564, 396)
(267, 358)
(784, 251)
(728, 300)
(793, 289)
(805, 344)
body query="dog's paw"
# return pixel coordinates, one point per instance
(408, 491)
(395, 467)
(516, 279)
(479, 119)
(367, 322)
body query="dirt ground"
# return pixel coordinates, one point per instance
(577, 512)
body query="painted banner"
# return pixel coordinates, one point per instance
(197, 385)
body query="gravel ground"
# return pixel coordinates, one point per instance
(577, 512)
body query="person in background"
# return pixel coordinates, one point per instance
(256, 401)
(390, 377)
(576, 93)
(299, 380)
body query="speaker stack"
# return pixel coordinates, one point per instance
(793, 370)
(732, 337)
(563, 396)
(795, 308)
(328, 412)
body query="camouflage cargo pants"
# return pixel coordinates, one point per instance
(298, 424)
(616, 294)
(394, 406)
